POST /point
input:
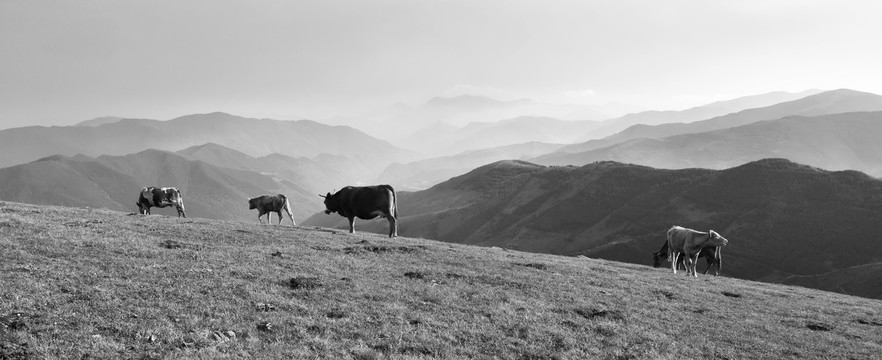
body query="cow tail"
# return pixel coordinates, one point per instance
(287, 204)
(394, 202)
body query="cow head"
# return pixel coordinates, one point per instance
(714, 239)
(330, 203)
(658, 258)
(252, 203)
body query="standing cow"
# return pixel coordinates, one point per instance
(711, 253)
(365, 202)
(690, 242)
(160, 197)
(268, 204)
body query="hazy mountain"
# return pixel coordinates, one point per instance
(113, 182)
(422, 174)
(444, 140)
(829, 102)
(99, 121)
(781, 218)
(406, 126)
(255, 137)
(703, 112)
(836, 142)
(319, 175)
(520, 130)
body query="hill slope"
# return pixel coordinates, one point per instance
(113, 182)
(781, 218)
(101, 284)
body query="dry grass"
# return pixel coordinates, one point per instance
(80, 283)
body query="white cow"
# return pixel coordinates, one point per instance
(690, 242)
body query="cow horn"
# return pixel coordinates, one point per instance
(322, 196)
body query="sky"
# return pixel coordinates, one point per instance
(62, 62)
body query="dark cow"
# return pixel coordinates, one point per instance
(710, 253)
(268, 204)
(160, 197)
(365, 202)
(690, 242)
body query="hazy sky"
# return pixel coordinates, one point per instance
(66, 61)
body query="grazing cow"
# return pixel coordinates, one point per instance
(710, 253)
(267, 204)
(365, 202)
(160, 197)
(690, 242)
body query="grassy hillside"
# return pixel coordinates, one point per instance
(781, 218)
(102, 284)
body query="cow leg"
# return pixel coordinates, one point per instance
(280, 217)
(289, 216)
(673, 256)
(351, 225)
(693, 263)
(393, 226)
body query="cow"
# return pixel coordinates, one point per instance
(690, 242)
(160, 197)
(365, 202)
(267, 204)
(710, 253)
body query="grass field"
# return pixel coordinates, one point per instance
(83, 283)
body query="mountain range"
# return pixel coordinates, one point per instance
(419, 175)
(447, 126)
(824, 103)
(255, 137)
(835, 142)
(698, 113)
(785, 221)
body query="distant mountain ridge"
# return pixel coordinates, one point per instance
(824, 103)
(419, 175)
(837, 142)
(776, 213)
(256, 137)
(698, 113)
